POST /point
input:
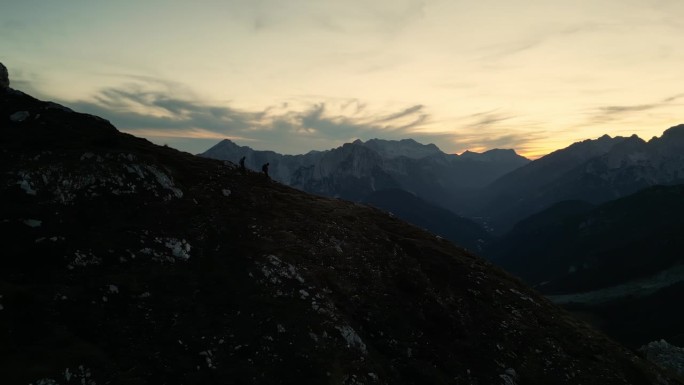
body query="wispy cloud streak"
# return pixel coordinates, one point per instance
(153, 108)
(156, 109)
(606, 114)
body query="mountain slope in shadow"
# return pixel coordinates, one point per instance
(620, 261)
(595, 171)
(578, 247)
(437, 220)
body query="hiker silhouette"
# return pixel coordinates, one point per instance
(264, 168)
(242, 164)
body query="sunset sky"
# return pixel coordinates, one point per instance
(295, 75)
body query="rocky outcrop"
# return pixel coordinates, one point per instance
(666, 355)
(4, 77)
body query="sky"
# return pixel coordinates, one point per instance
(294, 76)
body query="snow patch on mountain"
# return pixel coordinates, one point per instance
(19, 116)
(126, 177)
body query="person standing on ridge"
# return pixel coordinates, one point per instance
(264, 168)
(242, 164)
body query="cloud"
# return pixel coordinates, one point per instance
(136, 110)
(350, 17)
(615, 110)
(518, 140)
(26, 81)
(505, 50)
(538, 38)
(401, 114)
(486, 119)
(673, 98)
(491, 129)
(523, 141)
(158, 109)
(606, 114)
(166, 112)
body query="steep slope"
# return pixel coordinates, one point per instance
(437, 220)
(130, 263)
(526, 250)
(453, 181)
(520, 193)
(350, 172)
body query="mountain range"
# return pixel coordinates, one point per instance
(594, 171)
(131, 263)
(355, 170)
(566, 223)
(434, 183)
(498, 188)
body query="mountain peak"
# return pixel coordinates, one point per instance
(674, 132)
(410, 141)
(496, 154)
(588, 148)
(671, 142)
(405, 147)
(227, 143)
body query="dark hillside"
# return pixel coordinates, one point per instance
(130, 263)
(435, 219)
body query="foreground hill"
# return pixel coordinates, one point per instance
(130, 263)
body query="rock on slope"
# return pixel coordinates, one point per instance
(130, 263)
